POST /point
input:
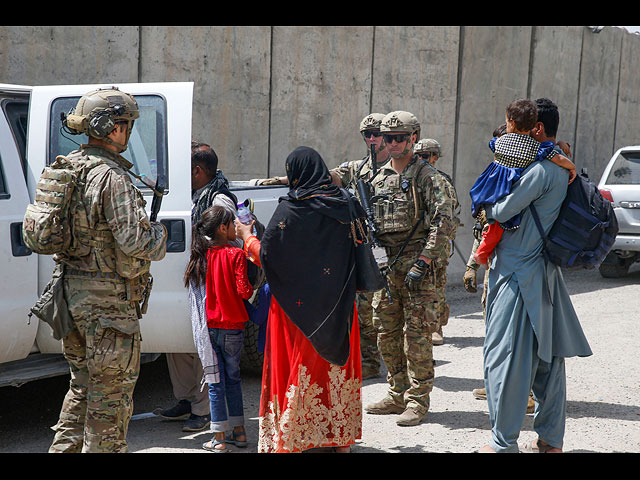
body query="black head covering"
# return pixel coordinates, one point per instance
(308, 255)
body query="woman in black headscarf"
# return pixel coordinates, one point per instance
(312, 375)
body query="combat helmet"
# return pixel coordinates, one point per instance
(97, 113)
(401, 122)
(428, 145)
(371, 122)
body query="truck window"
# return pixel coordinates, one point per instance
(147, 148)
(16, 111)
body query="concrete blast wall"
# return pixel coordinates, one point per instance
(261, 91)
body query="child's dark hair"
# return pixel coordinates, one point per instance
(207, 226)
(523, 113)
(500, 131)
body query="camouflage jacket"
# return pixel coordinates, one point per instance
(111, 229)
(350, 172)
(449, 193)
(403, 198)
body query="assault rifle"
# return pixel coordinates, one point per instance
(364, 189)
(158, 193)
(158, 189)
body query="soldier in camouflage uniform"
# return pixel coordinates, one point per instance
(106, 273)
(429, 149)
(347, 175)
(409, 194)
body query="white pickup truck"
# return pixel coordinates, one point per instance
(30, 138)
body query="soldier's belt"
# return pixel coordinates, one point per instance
(137, 289)
(73, 272)
(411, 248)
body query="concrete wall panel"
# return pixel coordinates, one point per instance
(416, 69)
(58, 55)
(627, 126)
(597, 100)
(555, 73)
(320, 92)
(230, 68)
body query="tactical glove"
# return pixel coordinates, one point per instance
(270, 181)
(415, 275)
(469, 280)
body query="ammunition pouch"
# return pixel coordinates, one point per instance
(392, 216)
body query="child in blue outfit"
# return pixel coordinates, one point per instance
(514, 152)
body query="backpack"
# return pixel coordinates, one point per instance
(46, 228)
(585, 230)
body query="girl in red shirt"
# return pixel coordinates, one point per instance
(227, 285)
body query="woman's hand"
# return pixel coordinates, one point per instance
(243, 231)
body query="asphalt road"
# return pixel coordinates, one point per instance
(603, 409)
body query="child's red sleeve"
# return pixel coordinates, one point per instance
(252, 250)
(243, 286)
(490, 239)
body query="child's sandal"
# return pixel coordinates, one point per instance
(236, 442)
(210, 446)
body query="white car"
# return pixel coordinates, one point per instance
(620, 184)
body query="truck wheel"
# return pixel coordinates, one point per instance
(251, 359)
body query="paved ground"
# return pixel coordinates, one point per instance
(603, 411)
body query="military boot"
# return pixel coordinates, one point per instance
(385, 406)
(437, 338)
(480, 393)
(410, 417)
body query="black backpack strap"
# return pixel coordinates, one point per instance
(536, 219)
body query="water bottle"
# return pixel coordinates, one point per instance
(244, 213)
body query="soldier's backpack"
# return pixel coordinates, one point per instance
(46, 228)
(585, 230)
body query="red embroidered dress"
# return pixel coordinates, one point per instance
(306, 402)
(227, 286)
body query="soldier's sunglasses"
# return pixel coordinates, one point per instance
(397, 137)
(371, 133)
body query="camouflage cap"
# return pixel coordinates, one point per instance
(428, 145)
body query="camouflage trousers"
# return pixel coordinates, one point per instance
(404, 333)
(104, 363)
(368, 336)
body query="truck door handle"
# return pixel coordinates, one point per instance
(18, 248)
(176, 241)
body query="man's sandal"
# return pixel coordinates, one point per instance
(536, 446)
(210, 446)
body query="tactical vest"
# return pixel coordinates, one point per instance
(399, 202)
